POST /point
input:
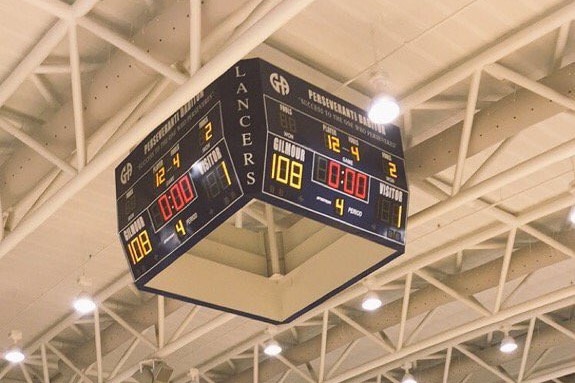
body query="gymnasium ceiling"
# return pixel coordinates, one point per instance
(486, 89)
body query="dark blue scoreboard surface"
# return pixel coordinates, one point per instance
(258, 132)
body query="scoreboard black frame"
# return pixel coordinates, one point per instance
(259, 132)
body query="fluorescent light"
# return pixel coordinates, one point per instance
(408, 378)
(508, 344)
(14, 355)
(272, 348)
(371, 302)
(383, 109)
(84, 304)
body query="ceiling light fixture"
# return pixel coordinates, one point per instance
(508, 344)
(84, 303)
(371, 301)
(407, 377)
(14, 354)
(383, 108)
(272, 348)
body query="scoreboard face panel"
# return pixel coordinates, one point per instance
(328, 172)
(179, 184)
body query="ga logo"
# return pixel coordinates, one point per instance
(126, 173)
(279, 83)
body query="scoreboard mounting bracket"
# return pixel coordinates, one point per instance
(260, 133)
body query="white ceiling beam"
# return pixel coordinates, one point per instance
(493, 53)
(525, 168)
(78, 106)
(322, 353)
(404, 308)
(500, 72)
(161, 324)
(44, 90)
(64, 68)
(124, 358)
(492, 159)
(380, 342)
(551, 374)
(294, 368)
(54, 7)
(68, 362)
(457, 335)
(504, 269)
(25, 372)
(526, 349)
(127, 326)
(185, 323)
(570, 334)
(447, 364)
(421, 325)
(348, 349)
(45, 371)
(274, 255)
(218, 65)
(480, 362)
(560, 46)
(195, 35)
(98, 341)
(256, 364)
(466, 130)
(127, 47)
(452, 292)
(19, 134)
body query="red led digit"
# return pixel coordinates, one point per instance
(333, 171)
(165, 208)
(176, 195)
(186, 189)
(361, 186)
(349, 181)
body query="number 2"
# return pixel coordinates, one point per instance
(392, 169)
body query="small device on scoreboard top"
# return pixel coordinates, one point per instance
(258, 132)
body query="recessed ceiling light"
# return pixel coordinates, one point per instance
(383, 109)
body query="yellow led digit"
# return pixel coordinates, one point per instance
(176, 160)
(333, 143)
(160, 176)
(339, 204)
(392, 169)
(180, 228)
(274, 166)
(295, 174)
(207, 131)
(225, 168)
(355, 152)
(399, 216)
(145, 242)
(283, 164)
(136, 252)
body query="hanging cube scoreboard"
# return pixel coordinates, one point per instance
(258, 132)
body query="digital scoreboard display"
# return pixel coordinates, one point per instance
(258, 132)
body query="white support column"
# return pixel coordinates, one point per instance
(132, 50)
(272, 241)
(404, 308)
(54, 7)
(447, 364)
(77, 96)
(323, 346)
(560, 45)
(161, 329)
(64, 68)
(45, 371)
(195, 35)
(504, 269)
(25, 372)
(482, 363)
(466, 132)
(191, 315)
(380, 342)
(501, 72)
(98, 341)
(526, 348)
(448, 290)
(125, 325)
